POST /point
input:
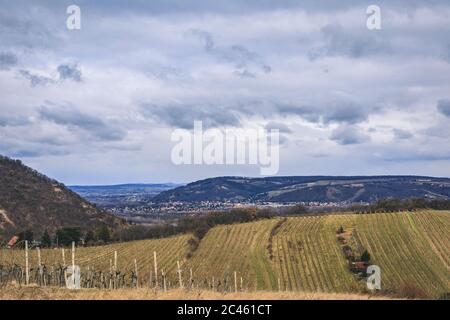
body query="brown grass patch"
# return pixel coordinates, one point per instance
(40, 293)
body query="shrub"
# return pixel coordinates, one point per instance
(46, 241)
(365, 256)
(66, 236)
(411, 291)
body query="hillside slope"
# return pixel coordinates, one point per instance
(313, 188)
(302, 252)
(30, 200)
(411, 250)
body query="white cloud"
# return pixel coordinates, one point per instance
(135, 74)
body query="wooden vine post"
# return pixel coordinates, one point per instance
(136, 273)
(27, 271)
(156, 269)
(73, 262)
(179, 275)
(164, 280)
(115, 262)
(63, 257)
(39, 265)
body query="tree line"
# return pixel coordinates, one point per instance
(65, 236)
(196, 225)
(395, 205)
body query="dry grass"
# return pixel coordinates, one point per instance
(40, 293)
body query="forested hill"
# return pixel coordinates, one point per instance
(310, 188)
(32, 201)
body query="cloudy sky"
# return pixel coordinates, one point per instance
(98, 105)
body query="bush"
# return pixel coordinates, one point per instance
(297, 209)
(365, 256)
(89, 238)
(46, 241)
(103, 233)
(26, 235)
(66, 236)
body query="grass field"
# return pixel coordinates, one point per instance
(298, 254)
(412, 250)
(169, 251)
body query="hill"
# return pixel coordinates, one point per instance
(30, 200)
(297, 254)
(308, 189)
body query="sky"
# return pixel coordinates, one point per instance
(98, 105)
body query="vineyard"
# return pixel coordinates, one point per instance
(300, 254)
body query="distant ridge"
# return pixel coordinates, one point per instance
(309, 189)
(125, 185)
(30, 200)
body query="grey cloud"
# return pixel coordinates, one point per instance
(267, 69)
(336, 112)
(348, 135)
(443, 107)
(206, 37)
(65, 71)
(244, 74)
(36, 80)
(28, 27)
(240, 56)
(310, 114)
(277, 126)
(6, 120)
(446, 53)
(183, 116)
(402, 134)
(441, 130)
(158, 7)
(7, 60)
(341, 42)
(349, 113)
(283, 130)
(170, 74)
(73, 118)
(69, 72)
(38, 152)
(26, 149)
(413, 155)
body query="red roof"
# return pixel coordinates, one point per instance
(13, 241)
